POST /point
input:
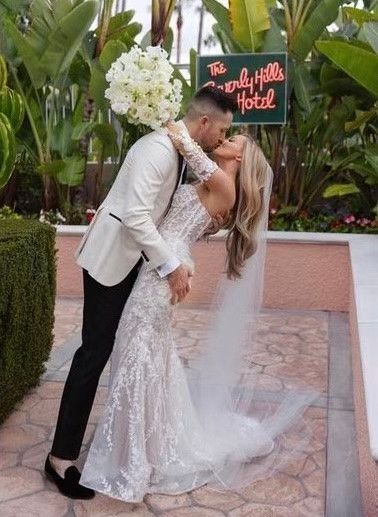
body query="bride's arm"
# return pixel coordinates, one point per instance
(202, 166)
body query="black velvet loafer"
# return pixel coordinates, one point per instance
(69, 485)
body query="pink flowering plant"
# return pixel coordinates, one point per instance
(333, 223)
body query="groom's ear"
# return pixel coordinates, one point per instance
(204, 120)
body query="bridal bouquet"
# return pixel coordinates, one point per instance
(142, 88)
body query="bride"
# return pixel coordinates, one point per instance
(169, 430)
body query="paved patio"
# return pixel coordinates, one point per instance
(296, 348)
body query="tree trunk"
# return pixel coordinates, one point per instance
(200, 29)
(50, 193)
(179, 26)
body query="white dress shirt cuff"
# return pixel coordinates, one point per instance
(168, 267)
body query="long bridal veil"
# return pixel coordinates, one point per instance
(247, 424)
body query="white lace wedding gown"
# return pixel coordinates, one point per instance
(149, 438)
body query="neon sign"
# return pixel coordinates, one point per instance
(258, 83)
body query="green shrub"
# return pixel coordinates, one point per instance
(27, 294)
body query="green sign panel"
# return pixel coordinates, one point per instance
(257, 81)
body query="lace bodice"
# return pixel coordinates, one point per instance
(187, 217)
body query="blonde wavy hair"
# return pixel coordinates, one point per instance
(243, 223)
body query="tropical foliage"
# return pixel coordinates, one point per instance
(69, 146)
(11, 118)
(328, 147)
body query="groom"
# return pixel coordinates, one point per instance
(121, 236)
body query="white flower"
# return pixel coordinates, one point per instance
(141, 87)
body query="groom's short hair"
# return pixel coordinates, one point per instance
(208, 98)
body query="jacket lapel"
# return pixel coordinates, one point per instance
(179, 170)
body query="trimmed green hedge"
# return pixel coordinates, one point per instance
(27, 294)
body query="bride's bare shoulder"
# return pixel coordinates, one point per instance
(220, 200)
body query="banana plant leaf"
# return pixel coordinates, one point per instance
(118, 23)
(274, 40)
(361, 119)
(14, 6)
(356, 62)
(69, 171)
(221, 15)
(98, 84)
(107, 137)
(340, 189)
(323, 15)
(55, 36)
(249, 20)
(303, 86)
(360, 16)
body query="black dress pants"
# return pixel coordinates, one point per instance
(101, 314)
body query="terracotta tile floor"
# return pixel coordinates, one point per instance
(293, 352)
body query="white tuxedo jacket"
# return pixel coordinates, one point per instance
(125, 225)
